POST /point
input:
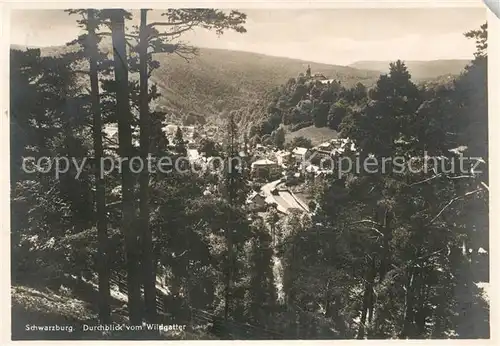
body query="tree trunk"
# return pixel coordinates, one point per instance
(384, 262)
(364, 310)
(229, 265)
(273, 234)
(371, 297)
(188, 285)
(289, 288)
(147, 242)
(421, 313)
(408, 307)
(328, 299)
(367, 307)
(102, 262)
(125, 149)
(231, 199)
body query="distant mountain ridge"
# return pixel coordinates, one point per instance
(419, 69)
(217, 80)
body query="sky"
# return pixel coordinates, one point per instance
(332, 36)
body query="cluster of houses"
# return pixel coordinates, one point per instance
(298, 162)
(266, 162)
(276, 170)
(190, 134)
(280, 169)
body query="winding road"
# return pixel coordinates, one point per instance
(284, 199)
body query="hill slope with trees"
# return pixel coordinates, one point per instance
(213, 81)
(420, 70)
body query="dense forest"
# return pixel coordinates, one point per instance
(383, 255)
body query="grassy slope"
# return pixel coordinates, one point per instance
(43, 306)
(317, 135)
(74, 304)
(420, 70)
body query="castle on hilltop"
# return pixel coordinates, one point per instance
(317, 76)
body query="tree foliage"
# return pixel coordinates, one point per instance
(379, 255)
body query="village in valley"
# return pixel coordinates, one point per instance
(280, 192)
(281, 179)
(277, 172)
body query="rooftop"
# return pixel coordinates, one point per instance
(263, 162)
(300, 151)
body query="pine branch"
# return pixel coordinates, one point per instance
(151, 25)
(175, 33)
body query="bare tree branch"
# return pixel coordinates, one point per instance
(365, 221)
(426, 180)
(451, 202)
(485, 186)
(441, 175)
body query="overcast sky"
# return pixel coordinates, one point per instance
(334, 36)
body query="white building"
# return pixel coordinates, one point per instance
(300, 153)
(263, 168)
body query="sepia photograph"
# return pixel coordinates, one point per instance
(249, 173)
